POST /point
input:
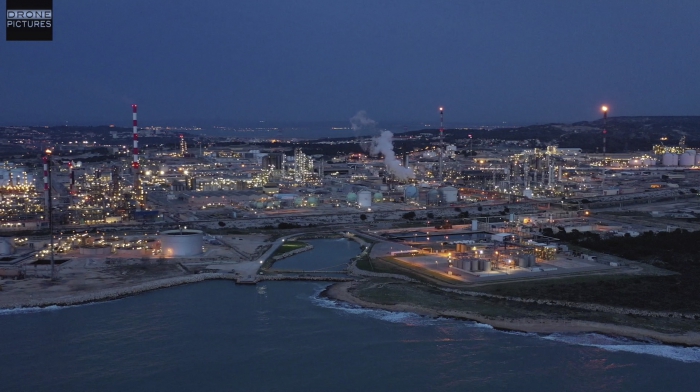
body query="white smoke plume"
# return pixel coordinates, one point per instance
(383, 144)
(360, 121)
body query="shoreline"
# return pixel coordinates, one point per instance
(341, 292)
(117, 293)
(111, 294)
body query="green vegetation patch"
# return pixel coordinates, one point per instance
(382, 291)
(289, 246)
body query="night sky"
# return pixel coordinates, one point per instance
(321, 60)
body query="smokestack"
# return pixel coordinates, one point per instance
(441, 146)
(46, 180)
(135, 164)
(605, 131)
(71, 176)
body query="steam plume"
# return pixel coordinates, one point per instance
(360, 120)
(383, 144)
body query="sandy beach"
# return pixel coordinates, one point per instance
(342, 292)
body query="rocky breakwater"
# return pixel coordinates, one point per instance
(292, 253)
(120, 292)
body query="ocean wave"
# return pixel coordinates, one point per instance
(604, 342)
(6, 312)
(406, 318)
(50, 308)
(621, 344)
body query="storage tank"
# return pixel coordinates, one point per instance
(298, 201)
(6, 247)
(475, 265)
(352, 197)
(179, 243)
(686, 159)
(487, 265)
(692, 152)
(259, 205)
(523, 261)
(531, 260)
(697, 160)
(649, 162)
(433, 197)
(635, 162)
(312, 201)
(669, 159)
(528, 193)
(410, 193)
(378, 197)
(449, 194)
(364, 199)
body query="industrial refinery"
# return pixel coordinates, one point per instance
(446, 201)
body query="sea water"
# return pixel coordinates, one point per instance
(286, 336)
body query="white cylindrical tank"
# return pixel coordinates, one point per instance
(449, 194)
(692, 152)
(687, 159)
(697, 159)
(364, 199)
(648, 162)
(475, 265)
(523, 262)
(6, 247)
(528, 193)
(670, 159)
(378, 197)
(635, 162)
(179, 243)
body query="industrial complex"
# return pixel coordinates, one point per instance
(473, 209)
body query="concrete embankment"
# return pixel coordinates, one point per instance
(306, 278)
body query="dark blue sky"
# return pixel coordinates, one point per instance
(317, 60)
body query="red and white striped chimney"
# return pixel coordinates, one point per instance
(46, 180)
(135, 164)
